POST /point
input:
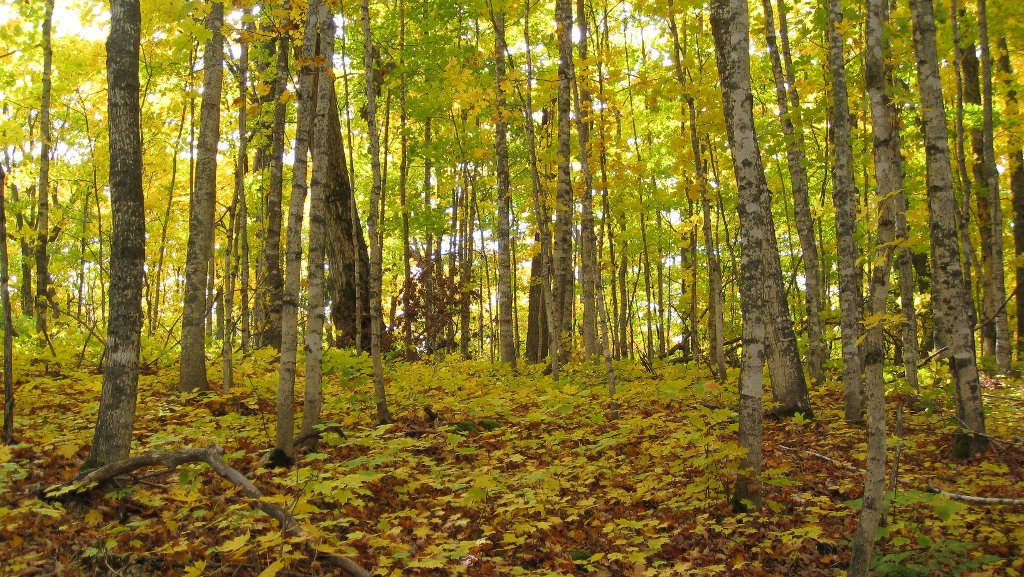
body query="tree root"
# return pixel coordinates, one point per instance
(214, 457)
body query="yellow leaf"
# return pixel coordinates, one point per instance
(66, 450)
(274, 568)
(5, 453)
(195, 570)
(93, 517)
(235, 544)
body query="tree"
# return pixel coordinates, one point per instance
(7, 433)
(43, 215)
(201, 211)
(889, 180)
(325, 103)
(506, 329)
(949, 295)
(730, 25)
(788, 100)
(844, 195)
(112, 436)
(563, 281)
(1002, 347)
(376, 254)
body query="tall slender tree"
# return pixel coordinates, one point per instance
(285, 432)
(730, 25)
(192, 373)
(788, 100)
(949, 295)
(325, 101)
(563, 287)
(42, 241)
(372, 222)
(889, 178)
(506, 329)
(844, 197)
(112, 436)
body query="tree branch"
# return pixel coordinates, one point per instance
(214, 457)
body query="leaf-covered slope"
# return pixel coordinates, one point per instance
(517, 476)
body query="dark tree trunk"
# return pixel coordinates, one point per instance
(113, 434)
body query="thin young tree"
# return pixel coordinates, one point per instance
(949, 295)
(192, 375)
(1012, 110)
(42, 253)
(563, 273)
(376, 255)
(285, 434)
(889, 179)
(313, 398)
(788, 99)
(844, 198)
(112, 436)
(7, 434)
(1003, 348)
(506, 329)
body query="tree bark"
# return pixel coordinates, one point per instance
(7, 435)
(272, 284)
(563, 288)
(112, 436)
(325, 103)
(844, 198)
(376, 263)
(889, 181)
(506, 329)
(795, 160)
(949, 296)
(43, 298)
(588, 240)
(995, 216)
(192, 374)
(1016, 156)
(285, 432)
(731, 27)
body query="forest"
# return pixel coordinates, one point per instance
(512, 287)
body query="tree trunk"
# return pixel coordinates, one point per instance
(325, 104)
(43, 297)
(588, 241)
(285, 433)
(348, 281)
(201, 212)
(272, 284)
(112, 436)
(7, 434)
(376, 263)
(949, 296)
(844, 197)
(563, 273)
(889, 179)
(506, 329)
(795, 159)
(1012, 111)
(546, 253)
(730, 26)
(995, 215)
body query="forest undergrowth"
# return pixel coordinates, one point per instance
(492, 472)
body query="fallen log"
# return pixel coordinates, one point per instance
(214, 457)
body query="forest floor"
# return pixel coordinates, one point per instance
(519, 476)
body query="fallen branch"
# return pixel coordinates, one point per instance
(214, 457)
(928, 489)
